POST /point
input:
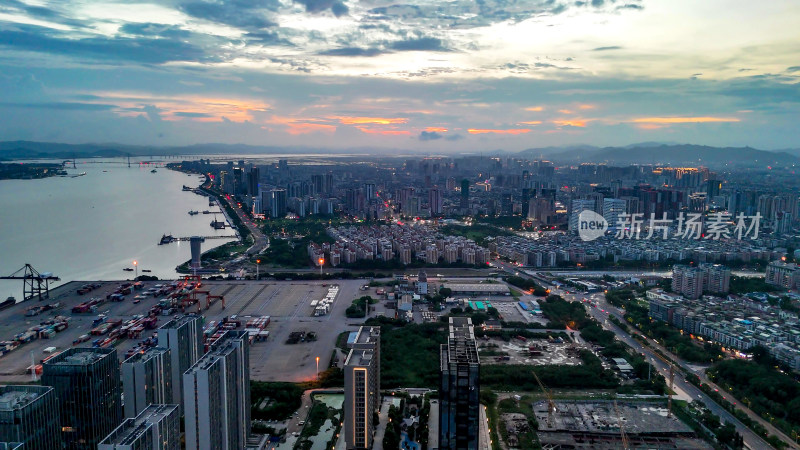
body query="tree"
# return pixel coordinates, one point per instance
(445, 292)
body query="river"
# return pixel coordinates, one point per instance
(92, 227)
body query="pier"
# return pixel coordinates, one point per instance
(166, 239)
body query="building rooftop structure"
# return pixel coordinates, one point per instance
(80, 356)
(461, 344)
(132, 429)
(11, 398)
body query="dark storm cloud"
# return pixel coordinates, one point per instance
(793, 69)
(598, 3)
(421, 44)
(315, 6)
(430, 136)
(238, 13)
(352, 51)
(603, 49)
(62, 106)
(140, 49)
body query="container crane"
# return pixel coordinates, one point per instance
(35, 284)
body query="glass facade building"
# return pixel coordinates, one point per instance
(184, 339)
(28, 416)
(459, 388)
(87, 385)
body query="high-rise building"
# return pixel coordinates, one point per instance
(253, 177)
(713, 188)
(28, 416)
(464, 194)
(216, 391)
(87, 384)
(578, 206)
(613, 208)
(157, 427)
(435, 201)
(717, 278)
(688, 281)
(146, 380)
(369, 192)
(277, 203)
(184, 339)
(362, 387)
(459, 388)
(785, 275)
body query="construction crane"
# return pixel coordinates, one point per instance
(625, 444)
(35, 284)
(551, 405)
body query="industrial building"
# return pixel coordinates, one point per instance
(157, 427)
(217, 396)
(146, 380)
(475, 289)
(27, 416)
(86, 382)
(459, 388)
(183, 337)
(362, 387)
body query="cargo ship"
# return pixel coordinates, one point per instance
(166, 239)
(191, 213)
(7, 303)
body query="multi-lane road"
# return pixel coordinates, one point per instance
(682, 387)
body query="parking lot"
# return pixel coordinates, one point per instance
(287, 302)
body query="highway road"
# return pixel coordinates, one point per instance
(601, 313)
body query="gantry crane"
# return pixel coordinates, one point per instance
(551, 405)
(35, 284)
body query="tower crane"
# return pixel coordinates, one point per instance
(625, 444)
(551, 405)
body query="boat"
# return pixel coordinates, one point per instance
(153, 171)
(206, 212)
(186, 188)
(78, 175)
(146, 270)
(191, 213)
(9, 302)
(166, 239)
(218, 225)
(128, 269)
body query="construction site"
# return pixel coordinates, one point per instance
(535, 352)
(609, 424)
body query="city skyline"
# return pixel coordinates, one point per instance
(420, 76)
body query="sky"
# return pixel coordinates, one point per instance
(424, 75)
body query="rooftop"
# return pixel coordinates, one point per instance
(80, 356)
(359, 358)
(145, 356)
(179, 322)
(17, 397)
(133, 429)
(461, 347)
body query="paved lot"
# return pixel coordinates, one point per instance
(287, 302)
(565, 353)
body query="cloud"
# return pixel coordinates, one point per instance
(430, 136)
(64, 106)
(490, 131)
(236, 13)
(383, 131)
(371, 120)
(793, 69)
(352, 51)
(604, 49)
(454, 137)
(436, 129)
(429, 44)
(580, 123)
(192, 115)
(535, 108)
(530, 122)
(143, 50)
(674, 120)
(337, 7)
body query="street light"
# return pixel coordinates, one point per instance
(318, 367)
(258, 261)
(136, 265)
(321, 262)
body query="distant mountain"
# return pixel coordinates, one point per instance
(677, 154)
